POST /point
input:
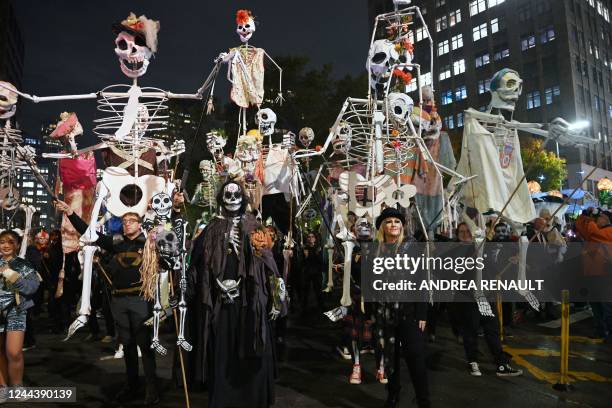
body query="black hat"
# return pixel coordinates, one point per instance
(389, 212)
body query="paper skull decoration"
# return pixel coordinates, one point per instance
(266, 119)
(215, 142)
(341, 143)
(161, 203)
(506, 87)
(135, 44)
(381, 58)
(306, 136)
(207, 169)
(245, 25)
(399, 108)
(167, 243)
(363, 228)
(232, 197)
(8, 100)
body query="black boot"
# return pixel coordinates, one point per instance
(151, 395)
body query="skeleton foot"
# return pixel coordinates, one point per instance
(76, 325)
(336, 314)
(328, 289)
(155, 345)
(184, 344)
(484, 307)
(533, 301)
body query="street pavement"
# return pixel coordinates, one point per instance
(312, 374)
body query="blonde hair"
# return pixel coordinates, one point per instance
(380, 236)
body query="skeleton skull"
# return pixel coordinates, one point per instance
(341, 142)
(8, 100)
(506, 87)
(232, 197)
(133, 53)
(207, 169)
(215, 142)
(161, 203)
(245, 27)
(248, 152)
(399, 108)
(306, 136)
(167, 243)
(381, 58)
(363, 228)
(266, 119)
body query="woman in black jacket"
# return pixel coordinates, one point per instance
(400, 326)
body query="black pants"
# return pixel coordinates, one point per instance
(314, 280)
(410, 342)
(472, 320)
(130, 313)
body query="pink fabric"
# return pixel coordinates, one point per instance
(79, 173)
(65, 127)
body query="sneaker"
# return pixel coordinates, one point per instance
(355, 377)
(344, 352)
(504, 370)
(381, 376)
(474, 369)
(106, 339)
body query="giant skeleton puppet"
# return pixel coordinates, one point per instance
(14, 159)
(491, 151)
(240, 289)
(372, 140)
(132, 112)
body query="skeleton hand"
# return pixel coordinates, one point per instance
(279, 99)
(336, 314)
(484, 307)
(274, 313)
(563, 133)
(529, 297)
(223, 57)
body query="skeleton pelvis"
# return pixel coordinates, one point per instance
(128, 193)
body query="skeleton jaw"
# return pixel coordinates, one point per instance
(139, 67)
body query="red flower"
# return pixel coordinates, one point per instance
(242, 16)
(318, 148)
(396, 144)
(405, 77)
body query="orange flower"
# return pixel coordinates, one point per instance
(405, 77)
(242, 16)
(261, 239)
(395, 132)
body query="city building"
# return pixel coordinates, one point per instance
(11, 46)
(561, 49)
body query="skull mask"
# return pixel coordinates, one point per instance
(506, 87)
(399, 108)
(502, 232)
(381, 57)
(341, 142)
(8, 100)
(133, 53)
(245, 25)
(363, 229)
(215, 142)
(306, 136)
(232, 197)
(266, 119)
(161, 204)
(207, 169)
(167, 243)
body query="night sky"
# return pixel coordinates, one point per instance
(69, 44)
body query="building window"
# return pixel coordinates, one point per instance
(533, 100)
(495, 25)
(457, 41)
(445, 72)
(443, 47)
(440, 3)
(454, 17)
(501, 54)
(550, 93)
(483, 86)
(459, 67)
(547, 35)
(447, 97)
(460, 93)
(479, 31)
(448, 122)
(482, 60)
(527, 42)
(460, 119)
(421, 34)
(477, 6)
(495, 2)
(524, 12)
(441, 24)
(590, 47)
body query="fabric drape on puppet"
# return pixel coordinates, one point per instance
(79, 185)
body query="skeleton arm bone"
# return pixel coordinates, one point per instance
(37, 99)
(279, 99)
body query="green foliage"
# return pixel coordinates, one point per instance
(539, 162)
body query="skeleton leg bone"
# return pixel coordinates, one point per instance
(85, 309)
(157, 312)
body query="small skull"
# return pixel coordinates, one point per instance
(232, 197)
(133, 53)
(161, 203)
(8, 100)
(399, 108)
(215, 142)
(266, 119)
(248, 152)
(167, 243)
(363, 228)
(341, 142)
(207, 169)
(506, 87)
(306, 136)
